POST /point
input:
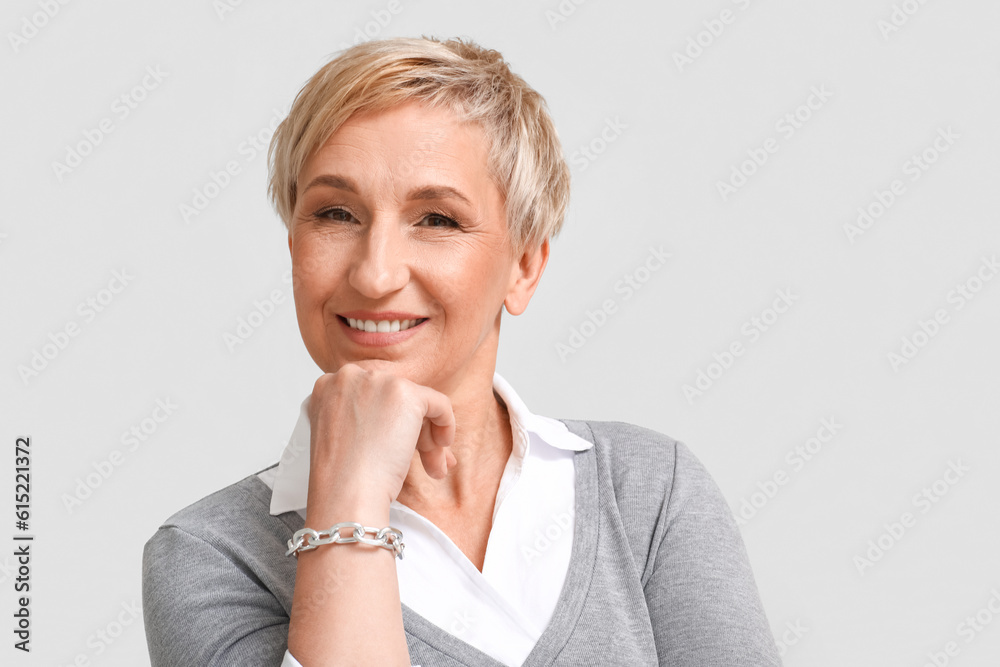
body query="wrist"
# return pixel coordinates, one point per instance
(330, 505)
(309, 539)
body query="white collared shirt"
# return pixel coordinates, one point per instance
(502, 610)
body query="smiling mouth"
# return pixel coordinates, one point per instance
(381, 326)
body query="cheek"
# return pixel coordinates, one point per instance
(454, 286)
(471, 293)
(311, 271)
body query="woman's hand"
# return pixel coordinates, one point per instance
(365, 426)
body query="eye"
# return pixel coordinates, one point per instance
(438, 220)
(335, 214)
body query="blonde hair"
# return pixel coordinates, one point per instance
(525, 162)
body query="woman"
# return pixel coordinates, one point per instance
(420, 182)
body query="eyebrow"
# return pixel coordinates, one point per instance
(421, 193)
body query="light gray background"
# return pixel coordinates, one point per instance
(680, 131)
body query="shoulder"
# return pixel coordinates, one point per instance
(634, 457)
(655, 480)
(227, 521)
(648, 462)
(245, 501)
(216, 585)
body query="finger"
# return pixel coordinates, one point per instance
(444, 461)
(436, 459)
(437, 410)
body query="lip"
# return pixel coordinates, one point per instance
(374, 338)
(380, 315)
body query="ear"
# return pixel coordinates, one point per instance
(525, 276)
(289, 243)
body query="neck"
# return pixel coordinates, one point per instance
(482, 447)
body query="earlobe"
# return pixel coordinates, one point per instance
(526, 273)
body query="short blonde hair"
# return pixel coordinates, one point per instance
(526, 160)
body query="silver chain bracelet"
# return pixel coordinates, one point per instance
(307, 538)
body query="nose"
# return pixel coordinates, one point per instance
(380, 265)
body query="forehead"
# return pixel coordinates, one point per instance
(409, 142)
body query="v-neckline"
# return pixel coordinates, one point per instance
(571, 599)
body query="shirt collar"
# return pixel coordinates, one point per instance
(291, 480)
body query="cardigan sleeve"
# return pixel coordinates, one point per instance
(201, 608)
(703, 601)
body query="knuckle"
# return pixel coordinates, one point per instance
(350, 369)
(321, 383)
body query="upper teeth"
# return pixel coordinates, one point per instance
(381, 326)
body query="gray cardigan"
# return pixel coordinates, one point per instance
(658, 574)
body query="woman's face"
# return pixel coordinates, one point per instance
(397, 220)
